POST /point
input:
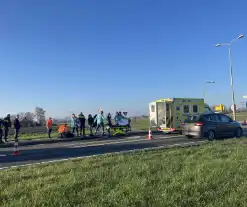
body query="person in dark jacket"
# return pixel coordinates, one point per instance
(1, 131)
(6, 124)
(17, 126)
(94, 124)
(109, 119)
(81, 124)
(90, 121)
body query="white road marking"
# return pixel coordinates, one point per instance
(80, 145)
(122, 140)
(3, 155)
(99, 141)
(105, 154)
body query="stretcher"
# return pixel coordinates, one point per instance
(115, 130)
(122, 128)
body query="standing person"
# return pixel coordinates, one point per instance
(109, 119)
(17, 127)
(90, 121)
(100, 122)
(6, 124)
(49, 123)
(116, 118)
(94, 117)
(1, 131)
(74, 124)
(81, 124)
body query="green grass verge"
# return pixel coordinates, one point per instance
(141, 124)
(209, 175)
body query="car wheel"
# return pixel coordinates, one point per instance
(238, 133)
(211, 135)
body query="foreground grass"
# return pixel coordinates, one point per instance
(210, 175)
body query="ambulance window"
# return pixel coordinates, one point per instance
(186, 109)
(153, 108)
(195, 109)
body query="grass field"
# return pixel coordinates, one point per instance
(209, 175)
(140, 124)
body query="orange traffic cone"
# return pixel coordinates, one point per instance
(16, 149)
(150, 137)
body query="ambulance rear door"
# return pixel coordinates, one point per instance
(153, 114)
(177, 114)
(161, 114)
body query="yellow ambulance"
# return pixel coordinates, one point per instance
(168, 114)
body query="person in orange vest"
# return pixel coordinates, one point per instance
(49, 126)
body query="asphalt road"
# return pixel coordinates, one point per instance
(54, 151)
(45, 150)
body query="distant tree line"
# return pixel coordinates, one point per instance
(26, 119)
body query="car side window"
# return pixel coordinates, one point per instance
(207, 118)
(224, 119)
(215, 118)
(211, 117)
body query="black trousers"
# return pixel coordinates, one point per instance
(6, 133)
(90, 130)
(49, 132)
(1, 135)
(17, 131)
(82, 130)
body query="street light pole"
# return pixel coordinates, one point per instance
(232, 88)
(231, 73)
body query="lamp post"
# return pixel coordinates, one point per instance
(205, 87)
(231, 73)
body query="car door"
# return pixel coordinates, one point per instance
(225, 125)
(212, 123)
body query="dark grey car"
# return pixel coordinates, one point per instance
(211, 126)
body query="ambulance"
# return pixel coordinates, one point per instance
(168, 114)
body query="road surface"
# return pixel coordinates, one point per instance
(44, 151)
(50, 152)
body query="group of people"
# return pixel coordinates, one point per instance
(5, 124)
(97, 121)
(77, 124)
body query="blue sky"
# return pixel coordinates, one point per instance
(71, 56)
